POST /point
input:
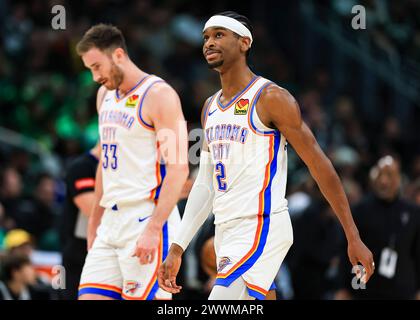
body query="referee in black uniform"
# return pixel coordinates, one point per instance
(390, 227)
(80, 182)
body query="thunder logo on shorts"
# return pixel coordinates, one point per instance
(131, 286)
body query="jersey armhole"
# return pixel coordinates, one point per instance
(139, 114)
(205, 111)
(255, 123)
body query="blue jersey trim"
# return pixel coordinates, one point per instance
(229, 104)
(141, 104)
(102, 292)
(257, 96)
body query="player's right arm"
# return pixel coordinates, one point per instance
(197, 209)
(97, 211)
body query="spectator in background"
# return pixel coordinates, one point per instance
(35, 214)
(18, 275)
(315, 251)
(10, 194)
(412, 186)
(416, 192)
(390, 226)
(19, 243)
(301, 193)
(43, 200)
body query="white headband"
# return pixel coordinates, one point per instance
(228, 23)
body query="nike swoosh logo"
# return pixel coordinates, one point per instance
(210, 113)
(141, 220)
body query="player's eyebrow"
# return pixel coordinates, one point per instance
(93, 64)
(215, 29)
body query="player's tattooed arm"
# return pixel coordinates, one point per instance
(278, 108)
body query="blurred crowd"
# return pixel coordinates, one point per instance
(392, 25)
(48, 96)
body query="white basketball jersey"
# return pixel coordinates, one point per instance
(250, 159)
(131, 166)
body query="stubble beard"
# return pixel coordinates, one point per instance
(215, 65)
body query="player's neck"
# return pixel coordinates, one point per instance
(132, 76)
(234, 80)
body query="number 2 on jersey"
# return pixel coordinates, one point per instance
(112, 149)
(221, 176)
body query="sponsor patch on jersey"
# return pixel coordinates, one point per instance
(131, 286)
(225, 261)
(241, 107)
(132, 101)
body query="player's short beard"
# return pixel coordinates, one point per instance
(116, 76)
(215, 65)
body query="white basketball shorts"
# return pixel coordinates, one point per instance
(253, 248)
(110, 270)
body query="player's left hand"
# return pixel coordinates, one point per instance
(358, 252)
(147, 246)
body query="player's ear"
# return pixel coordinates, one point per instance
(245, 43)
(119, 54)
